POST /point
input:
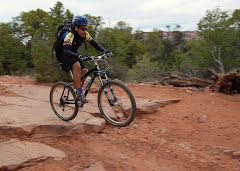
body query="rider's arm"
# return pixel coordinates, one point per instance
(67, 45)
(97, 45)
(94, 43)
(67, 51)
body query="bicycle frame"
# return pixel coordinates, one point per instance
(96, 73)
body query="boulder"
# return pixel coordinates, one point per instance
(146, 107)
(96, 124)
(17, 154)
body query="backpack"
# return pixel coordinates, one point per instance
(57, 48)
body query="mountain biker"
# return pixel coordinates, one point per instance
(72, 40)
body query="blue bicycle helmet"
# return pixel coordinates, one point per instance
(79, 20)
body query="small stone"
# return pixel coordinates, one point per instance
(236, 154)
(162, 141)
(123, 157)
(186, 146)
(189, 92)
(228, 151)
(217, 157)
(135, 125)
(74, 168)
(202, 118)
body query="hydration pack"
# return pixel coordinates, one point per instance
(57, 48)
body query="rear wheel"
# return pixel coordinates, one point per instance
(62, 100)
(116, 103)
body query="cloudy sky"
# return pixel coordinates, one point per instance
(139, 14)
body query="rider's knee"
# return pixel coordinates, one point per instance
(84, 70)
(76, 66)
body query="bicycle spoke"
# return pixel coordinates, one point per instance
(117, 104)
(62, 101)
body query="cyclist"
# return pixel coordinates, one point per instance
(72, 40)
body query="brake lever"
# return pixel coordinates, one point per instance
(89, 58)
(106, 55)
(84, 58)
(109, 54)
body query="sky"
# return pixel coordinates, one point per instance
(139, 14)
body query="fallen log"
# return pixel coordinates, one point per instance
(181, 80)
(225, 83)
(228, 83)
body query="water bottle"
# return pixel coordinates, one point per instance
(86, 82)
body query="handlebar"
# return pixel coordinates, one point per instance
(95, 58)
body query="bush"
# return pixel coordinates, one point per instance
(144, 70)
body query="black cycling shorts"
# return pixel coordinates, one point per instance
(68, 62)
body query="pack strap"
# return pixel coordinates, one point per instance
(53, 48)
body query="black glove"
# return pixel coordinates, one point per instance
(83, 57)
(107, 52)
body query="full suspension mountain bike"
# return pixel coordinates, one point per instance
(115, 101)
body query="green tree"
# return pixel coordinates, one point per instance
(155, 45)
(11, 52)
(163, 49)
(122, 42)
(125, 47)
(195, 61)
(57, 16)
(220, 34)
(114, 40)
(139, 35)
(217, 48)
(24, 27)
(235, 19)
(144, 70)
(29, 22)
(47, 68)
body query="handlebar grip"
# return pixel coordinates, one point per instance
(92, 58)
(109, 54)
(84, 58)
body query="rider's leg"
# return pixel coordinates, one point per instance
(83, 71)
(77, 79)
(77, 74)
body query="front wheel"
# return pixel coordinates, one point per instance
(116, 103)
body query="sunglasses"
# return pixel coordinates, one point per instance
(83, 29)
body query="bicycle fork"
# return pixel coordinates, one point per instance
(111, 102)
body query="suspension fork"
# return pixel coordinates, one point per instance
(111, 102)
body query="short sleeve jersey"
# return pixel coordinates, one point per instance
(69, 36)
(76, 41)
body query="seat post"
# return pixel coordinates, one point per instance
(71, 73)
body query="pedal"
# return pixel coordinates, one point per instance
(80, 104)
